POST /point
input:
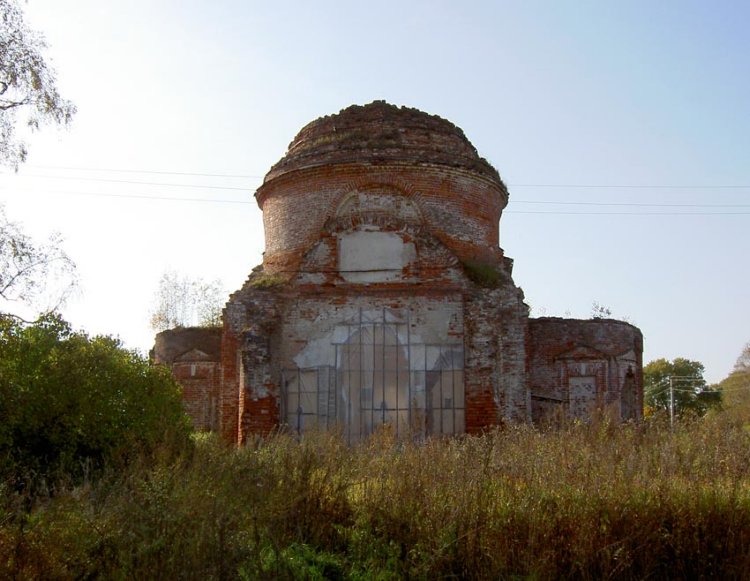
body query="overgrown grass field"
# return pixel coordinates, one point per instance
(586, 501)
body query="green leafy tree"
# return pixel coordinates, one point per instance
(68, 400)
(681, 379)
(28, 89)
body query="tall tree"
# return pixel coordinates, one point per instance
(39, 276)
(681, 379)
(28, 87)
(182, 301)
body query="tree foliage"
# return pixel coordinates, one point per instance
(736, 386)
(28, 88)
(743, 361)
(68, 400)
(40, 276)
(684, 379)
(182, 301)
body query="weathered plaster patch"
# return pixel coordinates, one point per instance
(368, 257)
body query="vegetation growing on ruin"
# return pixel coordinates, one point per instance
(481, 273)
(586, 501)
(266, 281)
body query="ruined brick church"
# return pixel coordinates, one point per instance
(385, 298)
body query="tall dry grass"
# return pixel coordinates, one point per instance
(588, 501)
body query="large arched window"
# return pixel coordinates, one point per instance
(373, 381)
(382, 374)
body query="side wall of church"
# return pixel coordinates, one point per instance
(193, 354)
(576, 367)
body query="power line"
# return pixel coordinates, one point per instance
(250, 201)
(557, 213)
(514, 185)
(132, 196)
(638, 204)
(637, 186)
(134, 182)
(538, 202)
(145, 171)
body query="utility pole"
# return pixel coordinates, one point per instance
(671, 401)
(694, 381)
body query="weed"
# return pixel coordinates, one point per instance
(586, 501)
(483, 274)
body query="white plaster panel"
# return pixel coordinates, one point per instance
(318, 351)
(373, 256)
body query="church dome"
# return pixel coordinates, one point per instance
(381, 133)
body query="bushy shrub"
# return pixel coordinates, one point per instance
(70, 403)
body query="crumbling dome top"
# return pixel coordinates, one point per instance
(382, 133)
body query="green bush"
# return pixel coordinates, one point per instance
(70, 403)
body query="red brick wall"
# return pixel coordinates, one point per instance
(193, 354)
(200, 382)
(230, 392)
(460, 208)
(601, 348)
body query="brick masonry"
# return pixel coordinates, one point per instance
(563, 350)
(384, 296)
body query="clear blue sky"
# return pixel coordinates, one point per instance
(571, 101)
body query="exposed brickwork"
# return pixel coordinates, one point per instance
(461, 209)
(170, 345)
(384, 296)
(608, 351)
(231, 396)
(200, 381)
(193, 354)
(378, 133)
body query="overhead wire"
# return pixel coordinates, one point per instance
(148, 197)
(248, 189)
(638, 186)
(136, 182)
(145, 171)
(514, 185)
